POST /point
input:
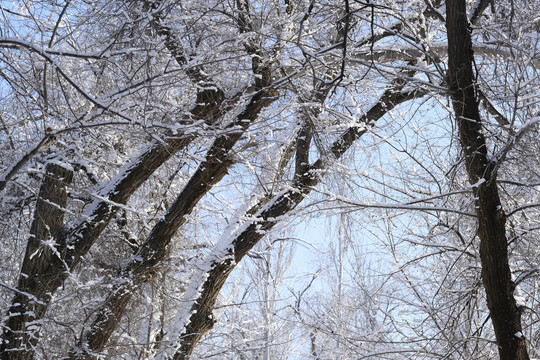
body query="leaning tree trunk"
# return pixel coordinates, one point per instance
(201, 318)
(496, 275)
(21, 329)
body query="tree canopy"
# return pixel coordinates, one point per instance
(161, 158)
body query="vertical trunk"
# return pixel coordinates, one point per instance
(496, 275)
(21, 329)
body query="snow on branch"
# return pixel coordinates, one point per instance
(153, 251)
(195, 317)
(436, 51)
(41, 262)
(17, 165)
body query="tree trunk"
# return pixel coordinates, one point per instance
(153, 251)
(23, 324)
(496, 275)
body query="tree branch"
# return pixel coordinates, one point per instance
(201, 297)
(74, 241)
(153, 251)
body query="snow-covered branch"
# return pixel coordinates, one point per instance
(435, 52)
(153, 251)
(197, 318)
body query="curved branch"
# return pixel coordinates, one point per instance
(43, 53)
(73, 241)
(16, 166)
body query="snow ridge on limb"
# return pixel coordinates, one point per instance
(436, 52)
(197, 318)
(73, 241)
(210, 172)
(17, 165)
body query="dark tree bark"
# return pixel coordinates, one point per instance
(216, 165)
(73, 241)
(496, 275)
(22, 327)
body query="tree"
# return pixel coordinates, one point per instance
(150, 146)
(481, 168)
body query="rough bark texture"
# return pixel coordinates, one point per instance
(496, 275)
(210, 172)
(21, 329)
(74, 241)
(202, 319)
